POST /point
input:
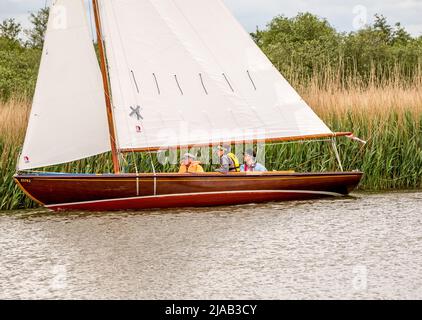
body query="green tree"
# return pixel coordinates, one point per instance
(10, 29)
(306, 45)
(382, 28)
(19, 63)
(304, 42)
(18, 69)
(381, 51)
(36, 34)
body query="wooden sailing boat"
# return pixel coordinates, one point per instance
(174, 74)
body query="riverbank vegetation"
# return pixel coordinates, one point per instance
(368, 82)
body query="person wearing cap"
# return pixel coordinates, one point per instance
(190, 165)
(250, 163)
(228, 160)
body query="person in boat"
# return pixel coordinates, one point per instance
(228, 160)
(190, 165)
(251, 165)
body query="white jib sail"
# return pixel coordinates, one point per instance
(184, 72)
(68, 120)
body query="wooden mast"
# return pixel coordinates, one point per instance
(107, 93)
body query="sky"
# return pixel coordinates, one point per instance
(344, 15)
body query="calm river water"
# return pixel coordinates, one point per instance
(365, 246)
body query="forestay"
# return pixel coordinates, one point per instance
(68, 119)
(184, 72)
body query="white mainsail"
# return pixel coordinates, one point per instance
(184, 72)
(68, 120)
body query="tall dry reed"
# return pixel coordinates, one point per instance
(13, 122)
(388, 114)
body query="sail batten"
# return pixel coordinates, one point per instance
(198, 76)
(68, 117)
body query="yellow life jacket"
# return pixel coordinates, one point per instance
(235, 161)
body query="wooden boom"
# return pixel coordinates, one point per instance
(274, 140)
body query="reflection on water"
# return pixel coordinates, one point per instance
(366, 246)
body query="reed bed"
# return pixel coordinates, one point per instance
(13, 121)
(388, 115)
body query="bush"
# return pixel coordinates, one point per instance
(306, 45)
(18, 69)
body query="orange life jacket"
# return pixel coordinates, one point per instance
(194, 167)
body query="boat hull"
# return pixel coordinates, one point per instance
(132, 192)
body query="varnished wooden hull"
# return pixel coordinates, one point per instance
(132, 192)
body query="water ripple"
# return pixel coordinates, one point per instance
(361, 247)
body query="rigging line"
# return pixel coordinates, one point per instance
(135, 161)
(203, 84)
(155, 174)
(18, 160)
(178, 84)
(123, 162)
(334, 144)
(250, 78)
(90, 20)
